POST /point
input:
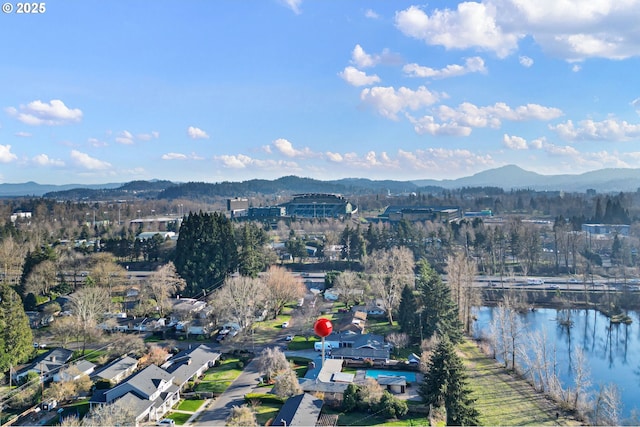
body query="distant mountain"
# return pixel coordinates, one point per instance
(513, 177)
(34, 189)
(506, 177)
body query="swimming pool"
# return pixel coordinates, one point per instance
(409, 376)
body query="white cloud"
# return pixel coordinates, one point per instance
(87, 162)
(428, 125)
(371, 14)
(471, 65)
(44, 160)
(389, 102)
(470, 25)
(636, 104)
(589, 130)
(576, 68)
(285, 147)
(124, 137)
(6, 156)
(525, 61)
(24, 134)
(294, 5)
(334, 157)
(242, 161)
(52, 113)
(197, 133)
(355, 77)
(514, 142)
(362, 59)
(443, 161)
(491, 116)
(174, 156)
(148, 136)
(573, 30)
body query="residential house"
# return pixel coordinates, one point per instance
(117, 370)
(300, 410)
(328, 380)
(191, 316)
(191, 364)
(349, 345)
(46, 365)
(149, 393)
(82, 367)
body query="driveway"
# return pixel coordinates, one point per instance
(219, 410)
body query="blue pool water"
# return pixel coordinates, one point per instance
(410, 377)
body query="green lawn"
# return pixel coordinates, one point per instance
(266, 411)
(179, 418)
(503, 399)
(357, 418)
(218, 378)
(90, 355)
(190, 405)
(301, 343)
(79, 409)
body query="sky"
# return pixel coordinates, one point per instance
(95, 91)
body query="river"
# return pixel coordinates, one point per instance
(612, 351)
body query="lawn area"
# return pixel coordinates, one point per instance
(300, 365)
(503, 399)
(190, 405)
(179, 418)
(379, 325)
(90, 355)
(266, 411)
(78, 409)
(218, 378)
(301, 343)
(357, 418)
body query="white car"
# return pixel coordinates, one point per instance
(285, 325)
(289, 338)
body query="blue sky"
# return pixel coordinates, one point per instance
(199, 90)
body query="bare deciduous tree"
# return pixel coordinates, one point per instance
(271, 361)
(88, 306)
(607, 406)
(241, 416)
(370, 393)
(349, 287)
(287, 384)
(389, 272)
(156, 355)
(120, 412)
(238, 299)
(282, 288)
(162, 284)
(461, 271)
(398, 339)
(42, 278)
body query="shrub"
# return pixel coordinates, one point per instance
(240, 364)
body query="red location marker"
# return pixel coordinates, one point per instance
(323, 327)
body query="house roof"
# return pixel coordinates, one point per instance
(391, 380)
(360, 353)
(300, 410)
(117, 367)
(50, 361)
(330, 367)
(185, 364)
(369, 340)
(311, 385)
(85, 366)
(146, 382)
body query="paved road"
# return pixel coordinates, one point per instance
(219, 410)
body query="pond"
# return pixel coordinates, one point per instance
(612, 350)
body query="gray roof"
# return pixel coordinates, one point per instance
(330, 367)
(145, 382)
(391, 380)
(310, 385)
(84, 366)
(368, 340)
(117, 367)
(185, 364)
(300, 410)
(360, 353)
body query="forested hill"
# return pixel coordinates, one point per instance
(135, 189)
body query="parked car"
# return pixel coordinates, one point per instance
(166, 422)
(285, 325)
(289, 338)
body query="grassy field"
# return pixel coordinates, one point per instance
(190, 405)
(503, 399)
(179, 417)
(357, 418)
(217, 379)
(265, 411)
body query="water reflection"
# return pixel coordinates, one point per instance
(612, 350)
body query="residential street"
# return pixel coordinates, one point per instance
(220, 408)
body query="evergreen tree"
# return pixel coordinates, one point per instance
(407, 313)
(206, 251)
(15, 334)
(251, 260)
(439, 313)
(31, 260)
(445, 385)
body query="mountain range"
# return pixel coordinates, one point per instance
(507, 177)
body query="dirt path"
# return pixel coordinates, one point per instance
(503, 399)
